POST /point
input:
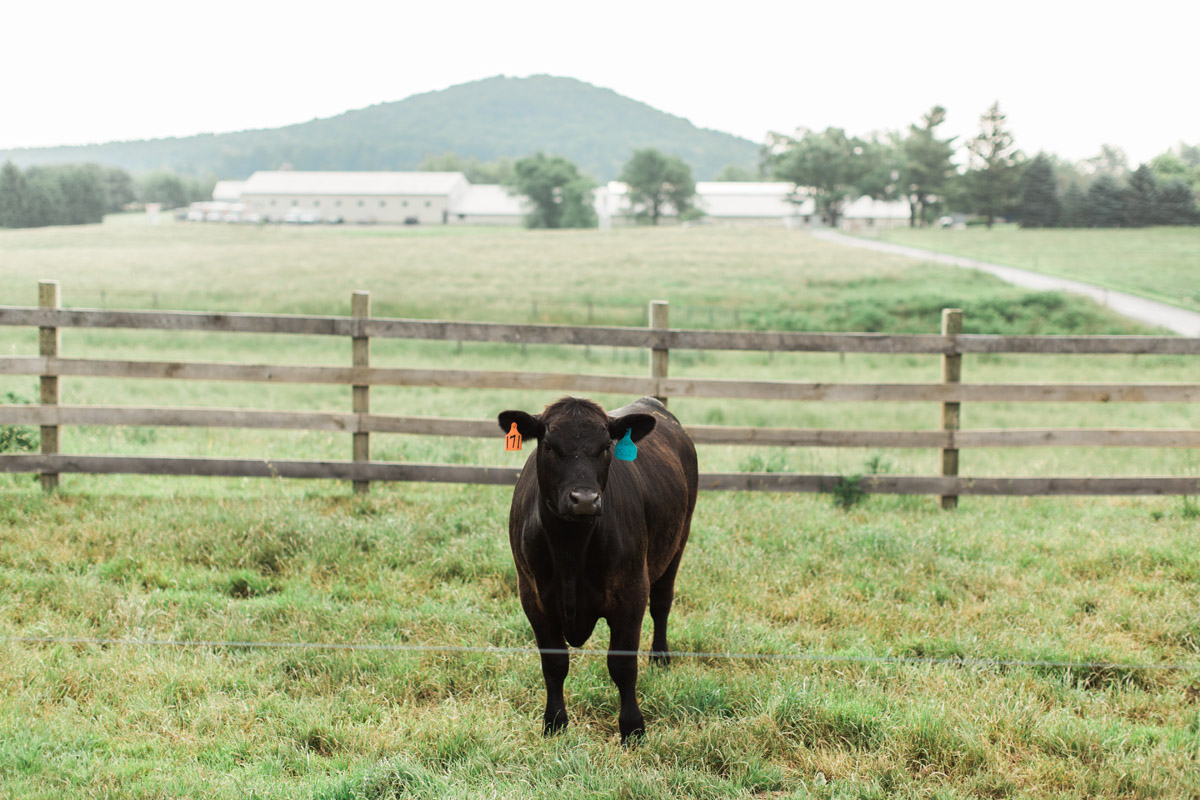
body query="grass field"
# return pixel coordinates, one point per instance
(1032, 580)
(1158, 263)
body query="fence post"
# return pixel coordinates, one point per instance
(952, 324)
(49, 342)
(659, 356)
(360, 308)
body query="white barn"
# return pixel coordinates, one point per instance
(366, 197)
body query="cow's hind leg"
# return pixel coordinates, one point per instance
(662, 594)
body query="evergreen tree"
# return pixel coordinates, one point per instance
(994, 161)
(656, 182)
(1074, 207)
(1176, 204)
(1039, 205)
(1105, 203)
(1141, 199)
(925, 165)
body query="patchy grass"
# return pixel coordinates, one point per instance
(1065, 580)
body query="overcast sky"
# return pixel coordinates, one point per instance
(1070, 76)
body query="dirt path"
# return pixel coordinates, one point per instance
(1151, 312)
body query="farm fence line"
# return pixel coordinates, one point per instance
(658, 339)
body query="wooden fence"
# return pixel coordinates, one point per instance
(658, 338)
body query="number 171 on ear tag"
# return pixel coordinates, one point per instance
(513, 440)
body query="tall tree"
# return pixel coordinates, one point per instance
(1177, 204)
(1141, 198)
(1105, 203)
(1074, 207)
(831, 167)
(1039, 204)
(994, 161)
(657, 182)
(561, 196)
(926, 164)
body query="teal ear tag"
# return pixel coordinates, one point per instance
(626, 449)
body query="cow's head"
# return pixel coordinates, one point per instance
(575, 448)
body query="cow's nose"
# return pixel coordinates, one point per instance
(584, 503)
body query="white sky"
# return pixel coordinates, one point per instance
(1070, 76)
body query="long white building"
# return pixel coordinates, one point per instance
(447, 198)
(394, 198)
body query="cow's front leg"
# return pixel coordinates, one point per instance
(555, 661)
(555, 665)
(623, 668)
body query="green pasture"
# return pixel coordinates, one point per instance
(713, 277)
(1158, 263)
(1037, 580)
(1106, 582)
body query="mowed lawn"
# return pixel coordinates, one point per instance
(1158, 263)
(1012, 648)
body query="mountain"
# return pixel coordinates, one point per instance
(493, 118)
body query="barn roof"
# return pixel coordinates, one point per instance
(230, 191)
(354, 183)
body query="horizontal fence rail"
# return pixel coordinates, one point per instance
(507, 476)
(658, 339)
(612, 384)
(486, 428)
(642, 338)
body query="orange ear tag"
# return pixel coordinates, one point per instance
(513, 440)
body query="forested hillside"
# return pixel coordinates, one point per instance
(489, 119)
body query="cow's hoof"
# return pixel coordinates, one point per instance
(553, 723)
(660, 659)
(632, 732)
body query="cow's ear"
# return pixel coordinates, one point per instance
(529, 426)
(638, 426)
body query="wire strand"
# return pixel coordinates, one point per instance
(823, 658)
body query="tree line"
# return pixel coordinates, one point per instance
(78, 194)
(999, 181)
(917, 166)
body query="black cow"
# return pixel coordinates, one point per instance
(596, 536)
